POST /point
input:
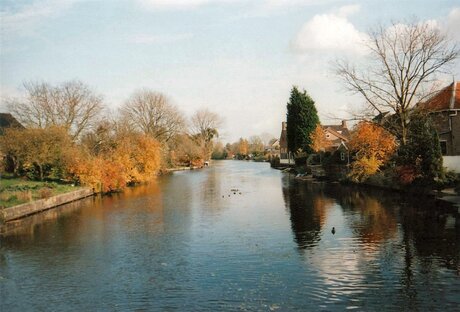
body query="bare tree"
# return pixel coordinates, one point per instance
(151, 113)
(204, 128)
(72, 105)
(404, 62)
(206, 124)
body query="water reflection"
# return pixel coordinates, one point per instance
(184, 244)
(308, 207)
(387, 243)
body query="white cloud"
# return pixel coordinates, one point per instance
(453, 23)
(331, 33)
(21, 19)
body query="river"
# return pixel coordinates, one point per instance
(237, 236)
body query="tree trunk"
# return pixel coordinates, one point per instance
(40, 170)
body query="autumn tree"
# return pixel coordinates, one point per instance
(373, 146)
(151, 113)
(243, 148)
(13, 146)
(404, 61)
(302, 118)
(72, 105)
(37, 151)
(319, 142)
(131, 158)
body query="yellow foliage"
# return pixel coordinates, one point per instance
(373, 146)
(319, 142)
(134, 159)
(371, 140)
(364, 167)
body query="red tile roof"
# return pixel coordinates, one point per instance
(447, 98)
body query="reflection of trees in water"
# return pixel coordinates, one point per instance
(34, 228)
(307, 206)
(211, 190)
(430, 229)
(433, 229)
(372, 218)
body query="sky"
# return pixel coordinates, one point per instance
(238, 58)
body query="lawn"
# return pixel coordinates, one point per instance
(15, 191)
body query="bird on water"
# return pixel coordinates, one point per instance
(333, 230)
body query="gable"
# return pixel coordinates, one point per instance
(447, 98)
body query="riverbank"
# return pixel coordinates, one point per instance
(15, 191)
(448, 195)
(23, 210)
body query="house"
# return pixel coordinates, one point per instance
(337, 135)
(283, 141)
(274, 144)
(273, 147)
(8, 121)
(444, 108)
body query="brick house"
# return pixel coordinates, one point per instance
(444, 108)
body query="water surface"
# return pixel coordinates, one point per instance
(190, 243)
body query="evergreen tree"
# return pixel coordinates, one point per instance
(302, 118)
(423, 151)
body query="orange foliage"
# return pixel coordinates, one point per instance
(134, 159)
(318, 140)
(371, 140)
(373, 146)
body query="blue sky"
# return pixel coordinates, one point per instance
(238, 58)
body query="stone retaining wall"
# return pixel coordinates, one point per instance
(19, 211)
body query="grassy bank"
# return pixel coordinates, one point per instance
(15, 191)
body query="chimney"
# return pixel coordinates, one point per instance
(283, 125)
(344, 124)
(452, 98)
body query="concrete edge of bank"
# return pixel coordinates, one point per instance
(20, 211)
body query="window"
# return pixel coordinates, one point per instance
(443, 147)
(342, 156)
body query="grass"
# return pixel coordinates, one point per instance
(16, 191)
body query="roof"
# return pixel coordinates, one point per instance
(8, 121)
(342, 133)
(447, 98)
(283, 136)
